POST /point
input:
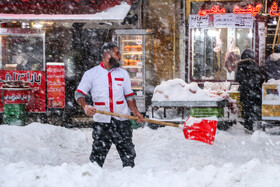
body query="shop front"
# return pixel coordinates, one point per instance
(50, 45)
(218, 33)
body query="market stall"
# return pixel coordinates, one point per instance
(51, 44)
(218, 33)
(175, 100)
(271, 103)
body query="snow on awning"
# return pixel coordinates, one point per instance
(116, 13)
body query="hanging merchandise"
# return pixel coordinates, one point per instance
(232, 56)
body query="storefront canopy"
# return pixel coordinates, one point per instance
(60, 10)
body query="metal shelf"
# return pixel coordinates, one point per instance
(131, 41)
(131, 66)
(137, 88)
(132, 53)
(136, 79)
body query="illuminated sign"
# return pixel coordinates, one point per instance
(250, 10)
(274, 11)
(213, 10)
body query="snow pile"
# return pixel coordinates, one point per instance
(273, 81)
(179, 90)
(44, 155)
(275, 56)
(116, 13)
(217, 86)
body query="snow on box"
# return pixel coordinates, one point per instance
(179, 90)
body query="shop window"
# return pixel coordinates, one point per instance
(214, 52)
(21, 52)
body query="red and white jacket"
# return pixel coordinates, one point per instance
(108, 90)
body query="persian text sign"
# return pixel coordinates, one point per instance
(243, 21)
(196, 21)
(37, 93)
(253, 11)
(15, 95)
(223, 21)
(55, 85)
(233, 20)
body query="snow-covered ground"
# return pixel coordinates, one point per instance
(46, 155)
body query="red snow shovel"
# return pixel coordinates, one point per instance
(203, 130)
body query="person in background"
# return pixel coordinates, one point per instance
(110, 88)
(250, 78)
(22, 62)
(272, 65)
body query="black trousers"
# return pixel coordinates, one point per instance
(117, 132)
(251, 111)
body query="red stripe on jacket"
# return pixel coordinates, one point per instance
(80, 91)
(102, 65)
(119, 79)
(119, 102)
(99, 103)
(131, 94)
(111, 104)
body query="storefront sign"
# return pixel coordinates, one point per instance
(253, 11)
(274, 11)
(262, 41)
(55, 85)
(243, 21)
(15, 95)
(37, 93)
(250, 10)
(213, 10)
(196, 21)
(223, 21)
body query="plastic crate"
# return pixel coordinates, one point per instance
(14, 114)
(207, 112)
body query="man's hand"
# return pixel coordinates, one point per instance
(132, 105)
(89, 110)
(139, 115)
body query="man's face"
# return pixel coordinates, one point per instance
(114, 57)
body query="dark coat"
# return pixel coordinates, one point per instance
(250, 78)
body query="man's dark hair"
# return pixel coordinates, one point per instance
(248, 53)
(108, 47)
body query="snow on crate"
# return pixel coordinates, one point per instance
(179, 90)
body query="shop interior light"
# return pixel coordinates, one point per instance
(197, 33)
(37, 25)
(212, 33)
(274, 22)
(250, 34)
(238, 36)
(25, 25)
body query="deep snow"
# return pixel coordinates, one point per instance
(46, 155)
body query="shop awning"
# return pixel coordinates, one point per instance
(103, 11)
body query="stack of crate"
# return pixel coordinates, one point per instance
(207, 112)
(14, 114)
(270, 101)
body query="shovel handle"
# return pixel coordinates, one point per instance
(136, 118)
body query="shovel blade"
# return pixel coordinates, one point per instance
(203, 130)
